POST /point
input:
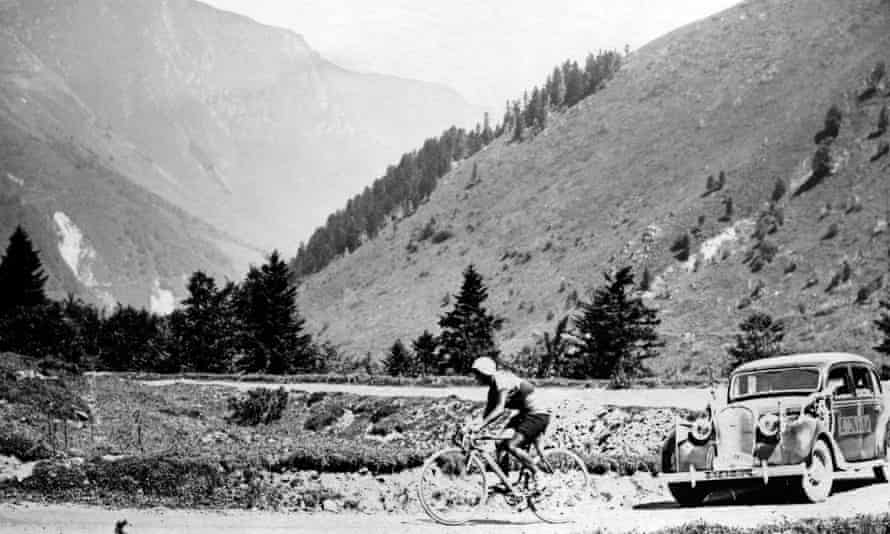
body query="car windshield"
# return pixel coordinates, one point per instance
(770, 381)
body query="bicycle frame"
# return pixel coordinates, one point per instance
(471, 446)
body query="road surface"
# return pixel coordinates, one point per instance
(852, 498)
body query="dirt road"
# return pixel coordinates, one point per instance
(852, 498)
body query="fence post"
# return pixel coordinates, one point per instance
(65, 430)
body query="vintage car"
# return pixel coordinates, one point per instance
(803, 420)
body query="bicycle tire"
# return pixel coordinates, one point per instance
(564, 481)
(452, 486)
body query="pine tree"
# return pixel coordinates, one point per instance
(617, 332)
(399, 362)
(22, 278)
(206, 329)
(468, 329)
(558, 89)
(517, 123)
(761, 337)
(425, 353)
(555, 348)
(883, 324)
(273, 328)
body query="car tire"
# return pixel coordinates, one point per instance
(815, 484)
(686, 495)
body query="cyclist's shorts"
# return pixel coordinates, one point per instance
(530, 425)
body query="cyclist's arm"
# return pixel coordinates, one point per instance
(498, 407)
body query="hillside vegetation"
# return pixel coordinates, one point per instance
(621, 177)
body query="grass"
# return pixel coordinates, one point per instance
(861, 524)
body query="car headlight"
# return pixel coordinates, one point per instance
(768, 424)
(701, 429)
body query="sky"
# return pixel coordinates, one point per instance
(487, 50)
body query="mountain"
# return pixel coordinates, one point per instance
(619, 178)
(170, 129)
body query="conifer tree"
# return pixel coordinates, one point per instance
(206, 330)
(399, 362)
(468, 329)
(274, 338)
(761, 337)
(22, 278)
(517, 123)
(883, 324)
(617, 331)
(425, 355)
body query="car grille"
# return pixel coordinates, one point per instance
(736, 431)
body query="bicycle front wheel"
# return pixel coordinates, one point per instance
(452, 486)
(562, 485)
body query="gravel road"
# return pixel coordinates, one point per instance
(851, 499)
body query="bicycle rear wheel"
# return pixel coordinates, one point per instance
(452, 486)
(562, 485)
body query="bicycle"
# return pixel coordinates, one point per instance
(453, 483)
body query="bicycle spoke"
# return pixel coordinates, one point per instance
(561, 487)
(452, 486)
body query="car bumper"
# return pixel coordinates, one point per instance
(762, 472)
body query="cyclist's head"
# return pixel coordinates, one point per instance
(484, 368)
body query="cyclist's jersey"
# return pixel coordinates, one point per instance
(519, 394)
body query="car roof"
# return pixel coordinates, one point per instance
(816, 359)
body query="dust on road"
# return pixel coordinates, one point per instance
(852, 498)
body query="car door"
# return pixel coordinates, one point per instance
(870, 406)
(845, 410)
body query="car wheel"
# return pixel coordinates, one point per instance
(882, 472)
(686, 495)
(815, 485)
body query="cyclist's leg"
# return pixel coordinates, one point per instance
(528, 430)
(503, 454)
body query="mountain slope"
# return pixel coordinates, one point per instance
(139, 120)
(617, 178)
(251, 128)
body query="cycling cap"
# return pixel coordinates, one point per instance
(484, 365)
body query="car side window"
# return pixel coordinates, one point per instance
(874, 376)
(839, 376)
(863, 382)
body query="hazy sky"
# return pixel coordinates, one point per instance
(488, 50)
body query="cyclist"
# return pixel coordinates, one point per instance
(506, 391)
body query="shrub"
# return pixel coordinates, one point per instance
(681, 247)
(832, 126)
(831, 231)
(779, 190)
(323, 416)
(261, 405)
(727, 210)
(441, 236)
(821, 162)
(22, 447)
(882, 150)
(427, 230)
